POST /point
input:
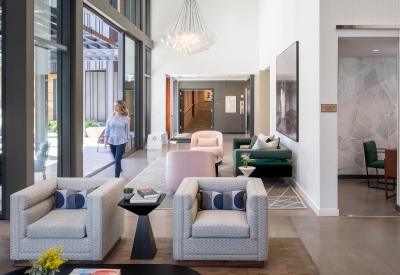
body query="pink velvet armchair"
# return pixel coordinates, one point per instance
(186, 163)
(208, 141)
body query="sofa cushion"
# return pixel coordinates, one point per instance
(269, 140)
(210, 200)
(229, 200)
(207, 142)
(71, 199)
(265, 138)
(233, 200)
(62, 223)
(262, 145)
(220, 224)
(253, 141)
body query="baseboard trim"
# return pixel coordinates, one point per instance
(325, 212)
(222, 263)
(371, 177)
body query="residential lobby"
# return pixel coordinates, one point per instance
(347, 228)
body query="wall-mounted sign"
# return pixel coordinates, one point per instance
(331, 108)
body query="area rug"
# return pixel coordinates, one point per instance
(281, 195)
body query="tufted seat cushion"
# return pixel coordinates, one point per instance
(220, 223)
(62, 223)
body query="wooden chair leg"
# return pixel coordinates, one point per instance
(386, 189)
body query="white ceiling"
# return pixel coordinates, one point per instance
(219, 77)
(364, 46)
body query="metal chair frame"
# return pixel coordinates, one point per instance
(379, 150)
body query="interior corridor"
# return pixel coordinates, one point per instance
(200, 122)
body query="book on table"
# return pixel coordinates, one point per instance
(148, 193)
(95, 271)
(139, 199)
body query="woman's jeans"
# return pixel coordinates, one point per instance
(117, 151)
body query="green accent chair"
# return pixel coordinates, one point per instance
(372, 161)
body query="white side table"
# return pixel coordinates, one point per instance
(247, 170)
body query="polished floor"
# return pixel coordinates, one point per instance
(363, 240)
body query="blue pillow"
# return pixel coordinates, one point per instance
(233, 200)
(71, 199)
(230, 200)
(210, 200)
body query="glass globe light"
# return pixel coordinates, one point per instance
(164, 38)
(214, 37)
(190, 35)
(181, 35)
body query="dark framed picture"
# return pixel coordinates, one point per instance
(287, 92)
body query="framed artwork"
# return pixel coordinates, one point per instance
(230, 104)
(287, 92)
(207, 95)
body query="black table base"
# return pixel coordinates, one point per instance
(144, 245)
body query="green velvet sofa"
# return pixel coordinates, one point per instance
(268, 163)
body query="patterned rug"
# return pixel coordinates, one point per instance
(281, 195)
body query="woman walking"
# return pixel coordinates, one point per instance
(117, 133)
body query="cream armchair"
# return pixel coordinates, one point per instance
(85, 234)
(220, 235)
(208, 141)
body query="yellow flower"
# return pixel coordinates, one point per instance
(49, 260)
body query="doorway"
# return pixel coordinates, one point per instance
(367, 110)
(196, 114)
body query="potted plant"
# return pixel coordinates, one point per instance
(48, 262)
(128, 192)
(245, 158)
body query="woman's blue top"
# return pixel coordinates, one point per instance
(117, 130)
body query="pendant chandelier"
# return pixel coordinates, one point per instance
(190, 32)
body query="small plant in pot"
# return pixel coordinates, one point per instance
(128, 192)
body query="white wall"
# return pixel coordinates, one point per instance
(236, 52)
(281, 24)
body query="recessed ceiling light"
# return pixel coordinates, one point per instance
(375, 50)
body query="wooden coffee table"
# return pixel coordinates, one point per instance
(144, 246)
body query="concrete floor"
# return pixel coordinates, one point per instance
(359, 244)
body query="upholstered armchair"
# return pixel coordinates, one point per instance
(208, 141)
(186, 163)
(220, 235)
(85, 234)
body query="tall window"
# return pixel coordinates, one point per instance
(131, 83)
(147, 90)
(147, 14)
(131, 9)
(1, 99)
(49, 50)
(102, 47)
